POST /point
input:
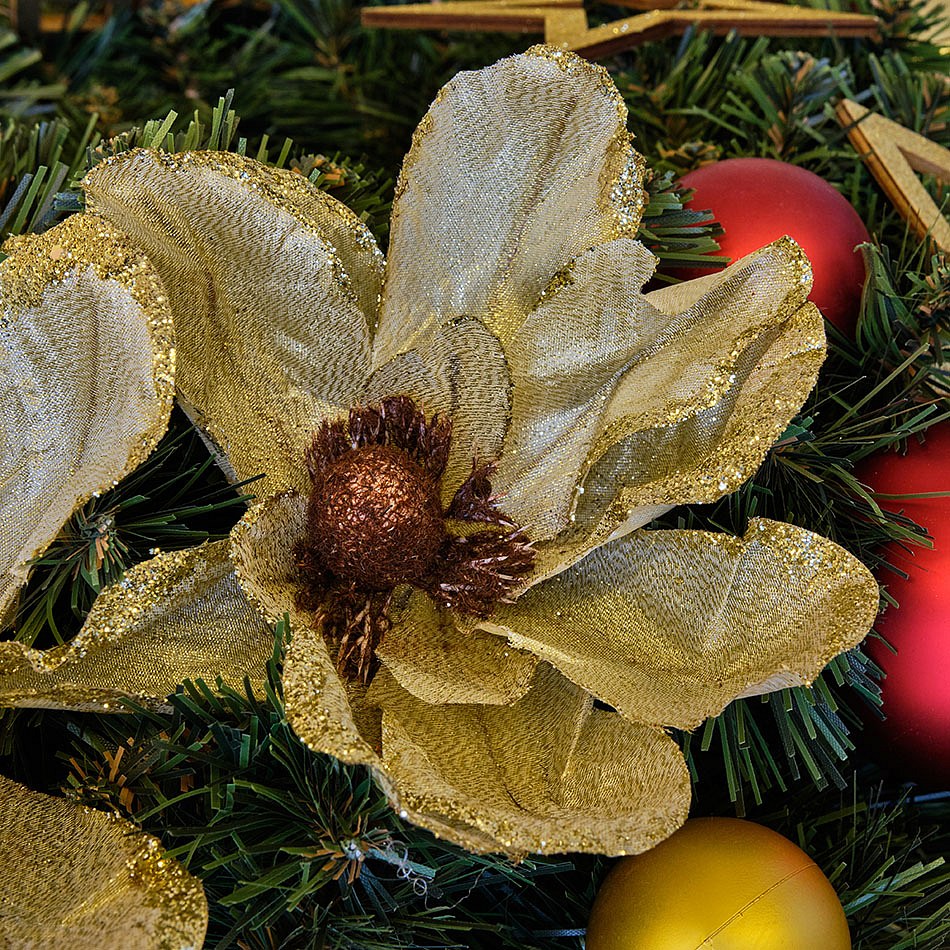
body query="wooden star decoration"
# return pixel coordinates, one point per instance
(564, 22)
(895, 155)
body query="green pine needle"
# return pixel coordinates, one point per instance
(267, 824)
(295, 846)
(176, 499)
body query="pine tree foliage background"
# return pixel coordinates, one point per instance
(296, 850)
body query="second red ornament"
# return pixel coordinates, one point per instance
(915, 738)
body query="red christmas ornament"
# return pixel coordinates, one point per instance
(917, 687)
(758, 200)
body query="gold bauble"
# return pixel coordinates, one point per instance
(718, 884)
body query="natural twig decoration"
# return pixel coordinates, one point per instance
(564, 22)
(895, 155)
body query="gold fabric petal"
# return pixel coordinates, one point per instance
(548, 774)
(566, 360)
(86, 380)
(181, 615)
(74, 877)
(273, 288)
(696, 412)
(457, 368)
(327, 714)
(438, 663)
(668, 627)
(534, 154)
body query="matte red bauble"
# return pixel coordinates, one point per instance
(758, 200)
(718, 883)
(917, 688)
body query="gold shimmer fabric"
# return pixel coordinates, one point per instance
(256, 371)
(511, 301)
(542, 170)
(669, 627)
(86, 380)
(548, 773)
(72, 877)
(181, 615)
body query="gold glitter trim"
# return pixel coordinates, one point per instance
(326, 713)
(737, 362)
(668, 627)
(273, 286)
(348, 238)
(566, 360)
(549, 774)
(179, 616)
(87, 366)
(793, 272)
(75, 877)
(479, 152)
(621, 180)
(168, 888)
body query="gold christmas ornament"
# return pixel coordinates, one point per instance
(78, 878)
(748, 888)
(564, 23)
(461, 450)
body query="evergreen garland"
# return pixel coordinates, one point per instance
(295, 849)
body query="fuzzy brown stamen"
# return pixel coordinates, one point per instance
(375, 521)
(356, 623)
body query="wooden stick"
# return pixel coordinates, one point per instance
(894, 154)
(564, 23)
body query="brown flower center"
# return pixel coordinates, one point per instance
(376, 518)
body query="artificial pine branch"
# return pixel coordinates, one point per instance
(223, 772)
(176, 499)
(778, 100)
(875, 852)
(297, 849)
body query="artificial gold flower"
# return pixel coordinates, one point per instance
(506, 343)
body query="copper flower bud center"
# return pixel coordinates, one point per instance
(376, 519)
